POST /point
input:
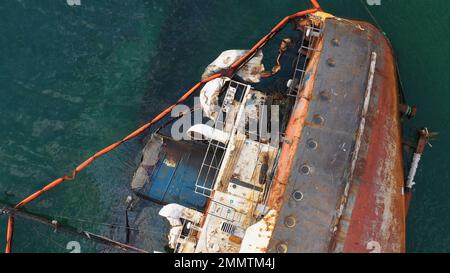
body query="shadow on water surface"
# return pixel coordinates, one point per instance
(75, 79)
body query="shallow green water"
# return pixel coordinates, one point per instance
(75, 79)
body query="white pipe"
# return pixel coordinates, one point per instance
(209, 97)
(209, 133)
(412, 172)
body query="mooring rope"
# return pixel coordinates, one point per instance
(234, 67)
(374, 19)
(377, 23)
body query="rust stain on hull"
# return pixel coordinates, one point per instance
(293, 133)
(371, 215)
(375, 213)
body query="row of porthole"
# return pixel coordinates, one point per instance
(297, 195)
(305, 169)
(289, 222)
(326, 95)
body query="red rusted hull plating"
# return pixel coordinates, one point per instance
(375, 214)
(352, 203)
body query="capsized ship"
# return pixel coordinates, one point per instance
(305, 157)
(333, 181)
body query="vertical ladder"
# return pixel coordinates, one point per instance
(309, 40)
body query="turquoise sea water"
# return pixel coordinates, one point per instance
(74, 79)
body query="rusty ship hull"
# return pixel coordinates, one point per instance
(304, 158)
(334, 182)
(353, 198)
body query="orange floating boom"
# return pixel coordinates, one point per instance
(234, 67)
(315, 4)
(244, 59)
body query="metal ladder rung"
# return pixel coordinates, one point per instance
(315, 29)
(314, 33)
(211, 167)
(307, 48)
(219, 146)
(202, 188)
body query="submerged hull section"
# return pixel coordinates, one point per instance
(339, 183)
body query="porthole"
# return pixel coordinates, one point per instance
(325, 95)
(305, 169)
(318, 120)
(290, 221)
(312, 144)
(282, 248)
(297, 196)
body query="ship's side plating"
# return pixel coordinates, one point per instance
(339, 183)
(374, 216)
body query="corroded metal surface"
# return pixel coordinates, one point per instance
(374, 218)
(168, 170)
(369, 215)
(292, 137)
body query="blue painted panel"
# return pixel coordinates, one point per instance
(173, 178)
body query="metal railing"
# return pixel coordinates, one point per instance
(215, 152)
(310, 39)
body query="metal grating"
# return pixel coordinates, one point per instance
(215, 153)
(228, 228)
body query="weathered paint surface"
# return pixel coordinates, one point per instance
(375, 213)
(344, 209)
(339, 184)
(168, 171)
(293, 134)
